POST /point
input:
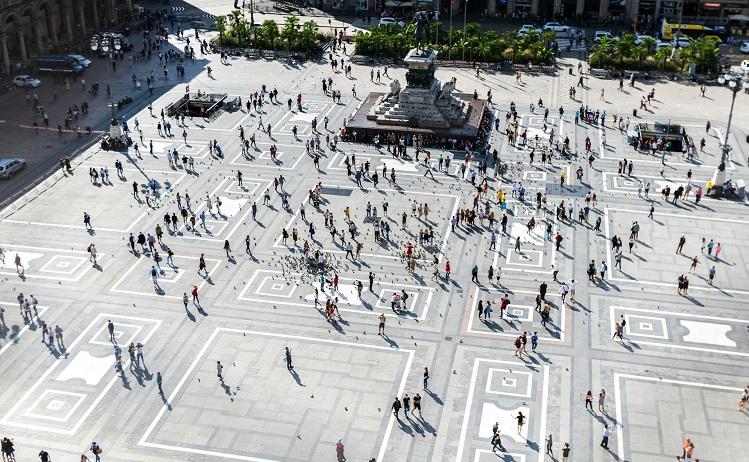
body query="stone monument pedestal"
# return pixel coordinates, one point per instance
(424, 102)
(424, 107)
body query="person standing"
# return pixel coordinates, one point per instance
(680, 245)
(688, 449)
(521, 421)
(381, 328)
(159, 382)
(566, 452)
(426, 378)
(549, 444)
(602, 401)
(589, 400)
(219, 371)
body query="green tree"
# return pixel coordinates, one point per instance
(640, 52)
(220, 27)
(703, 52)
(308, 36)
(269, 31)
(662, 56)
(624, 47)
(649, 43)
(289, 33)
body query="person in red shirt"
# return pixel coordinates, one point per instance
(503, 303)
(447, 270)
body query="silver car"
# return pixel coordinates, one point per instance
(10, 166)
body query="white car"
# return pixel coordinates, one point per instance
(387, 21)
(26, 81)
(556, 27)
(745, 66)
(681, 42)
(744, 47)
(601, 34)
(82, 60)
(10, 166)
(640, 39)
(526, 29)
(661, 44)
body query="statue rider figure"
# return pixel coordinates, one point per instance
(422, 28)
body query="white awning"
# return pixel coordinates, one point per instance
(739, 17)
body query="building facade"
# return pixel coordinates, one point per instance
(31, 27)
(624, 10)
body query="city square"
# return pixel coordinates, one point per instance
(256, 286)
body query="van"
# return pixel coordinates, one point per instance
(58, 64)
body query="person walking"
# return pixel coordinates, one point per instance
(96, 450)
(219, 371)
(602, 401)
(426, 378)
(381, 327)
(159, 382)
(521, 421)
(549, 444)
(417, 404)
(396, 407)
(287, 357)
(606, 434)
(110, 328)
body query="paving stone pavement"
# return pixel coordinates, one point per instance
(673, 375)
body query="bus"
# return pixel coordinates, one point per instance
(692, 31)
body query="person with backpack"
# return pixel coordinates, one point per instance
(96, 450)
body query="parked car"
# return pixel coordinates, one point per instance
(745, 66)
(125, 43)
(387, 21)
(82, 60)
(744, 47)
(556, 27)
(600, 34)
(681, 42)
(661, 44)
(10, 166)
(527, 28)
(26, 81)
(640, 39)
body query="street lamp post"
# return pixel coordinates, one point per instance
(109, 45)
(465, 15)
(735, 84)
(450, 34)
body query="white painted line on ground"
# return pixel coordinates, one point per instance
(618, 395)
(143, 440)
